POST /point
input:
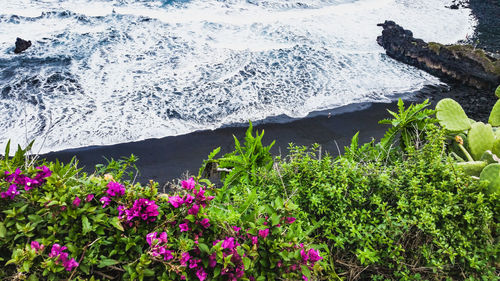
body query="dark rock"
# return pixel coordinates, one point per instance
(21, 45)
(454, 7)
(462, 63)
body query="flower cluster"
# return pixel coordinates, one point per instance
(229, 248)
(115, 189)
(57, 252)
(144, 209)
(20, 180)
(158, 245)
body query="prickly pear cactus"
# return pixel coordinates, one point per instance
(490, 157)
(497, 92)
(472, 168)
(496, 147)
(452, 116)
(480, 139)
(494, 119)
(492, 174)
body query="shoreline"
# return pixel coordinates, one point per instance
(167, 159)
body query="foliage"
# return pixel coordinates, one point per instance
(244, 161)
(61, 224)
(408, 124)
(416, 219)
(482, 140)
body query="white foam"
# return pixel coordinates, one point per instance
(200, 64)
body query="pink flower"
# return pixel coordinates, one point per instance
(202, 275)
(89, 197)
(115, 189)
(184, 227)
(228, 243)
(105, 201)
(37, 246)
(304, 278)
(290, 220)
(193, 263)
(56, 250)
(63, 208)
(163, 237)
(254, 239)
(212, 261)
(70, 264)
(194, 210)
(176, 201)
(314, 256)
(264, 233)
(304, 256)
(76, 201)
(189, 184)
(236, 229)
(10, 193)
(185, 257)
(188, 199)
(150, 238)
(205, 223)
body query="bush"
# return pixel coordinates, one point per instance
(410, 216)
(56, 223)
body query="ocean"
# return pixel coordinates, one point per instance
(113, 71)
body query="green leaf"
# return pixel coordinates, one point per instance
(107, 262)
(3, 230)
(204, 248)
(115, 221)
(86, 227)
(305, 271)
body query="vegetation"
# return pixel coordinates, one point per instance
(400, 209)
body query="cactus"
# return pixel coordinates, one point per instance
(472, 168)
(491, 173)
(496, 147)
(452, 116)
(490, 157)
(494, 119)
(480, 139)
(497, 92)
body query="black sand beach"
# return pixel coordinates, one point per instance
(169, 158)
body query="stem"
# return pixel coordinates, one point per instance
(465, 152)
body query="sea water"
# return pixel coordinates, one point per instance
(110, 71)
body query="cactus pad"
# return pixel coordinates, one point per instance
(472, 168)
(491, 173)
(480, 139)
(496, 147)
(497, 92)
(452, 116)
(490, 157)
(494, 119)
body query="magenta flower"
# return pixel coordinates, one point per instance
(185, 257)
(202, 275)
(264, 233)
(56, 250)
(70, 264)
(236, 229)
(105, 201)
(228, 243)
(167, 254)
(150, 238)
(176, 201)
(188, 199)
(184, 227)
(37, 246)
(193, 263)
(304, 256)
(314, 256)
(115, 189)
(144, 209)
(304, 278)
(163, 237)
(10, 193)
(290, 220)
(212, 261)
(189, 184)
(76, 201)
(205, 223)
(194, 210)
(89, 197)
(254, 239)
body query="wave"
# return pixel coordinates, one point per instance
(106, 72)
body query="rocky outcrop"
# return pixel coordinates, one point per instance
(463, 63)
(21, 45)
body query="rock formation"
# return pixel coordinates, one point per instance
(463, 63)
(21, 45)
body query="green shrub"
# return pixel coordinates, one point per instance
(409, 217)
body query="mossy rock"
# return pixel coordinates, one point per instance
(452, 116)
(494, 119)
(480, 139)
(491, 173)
